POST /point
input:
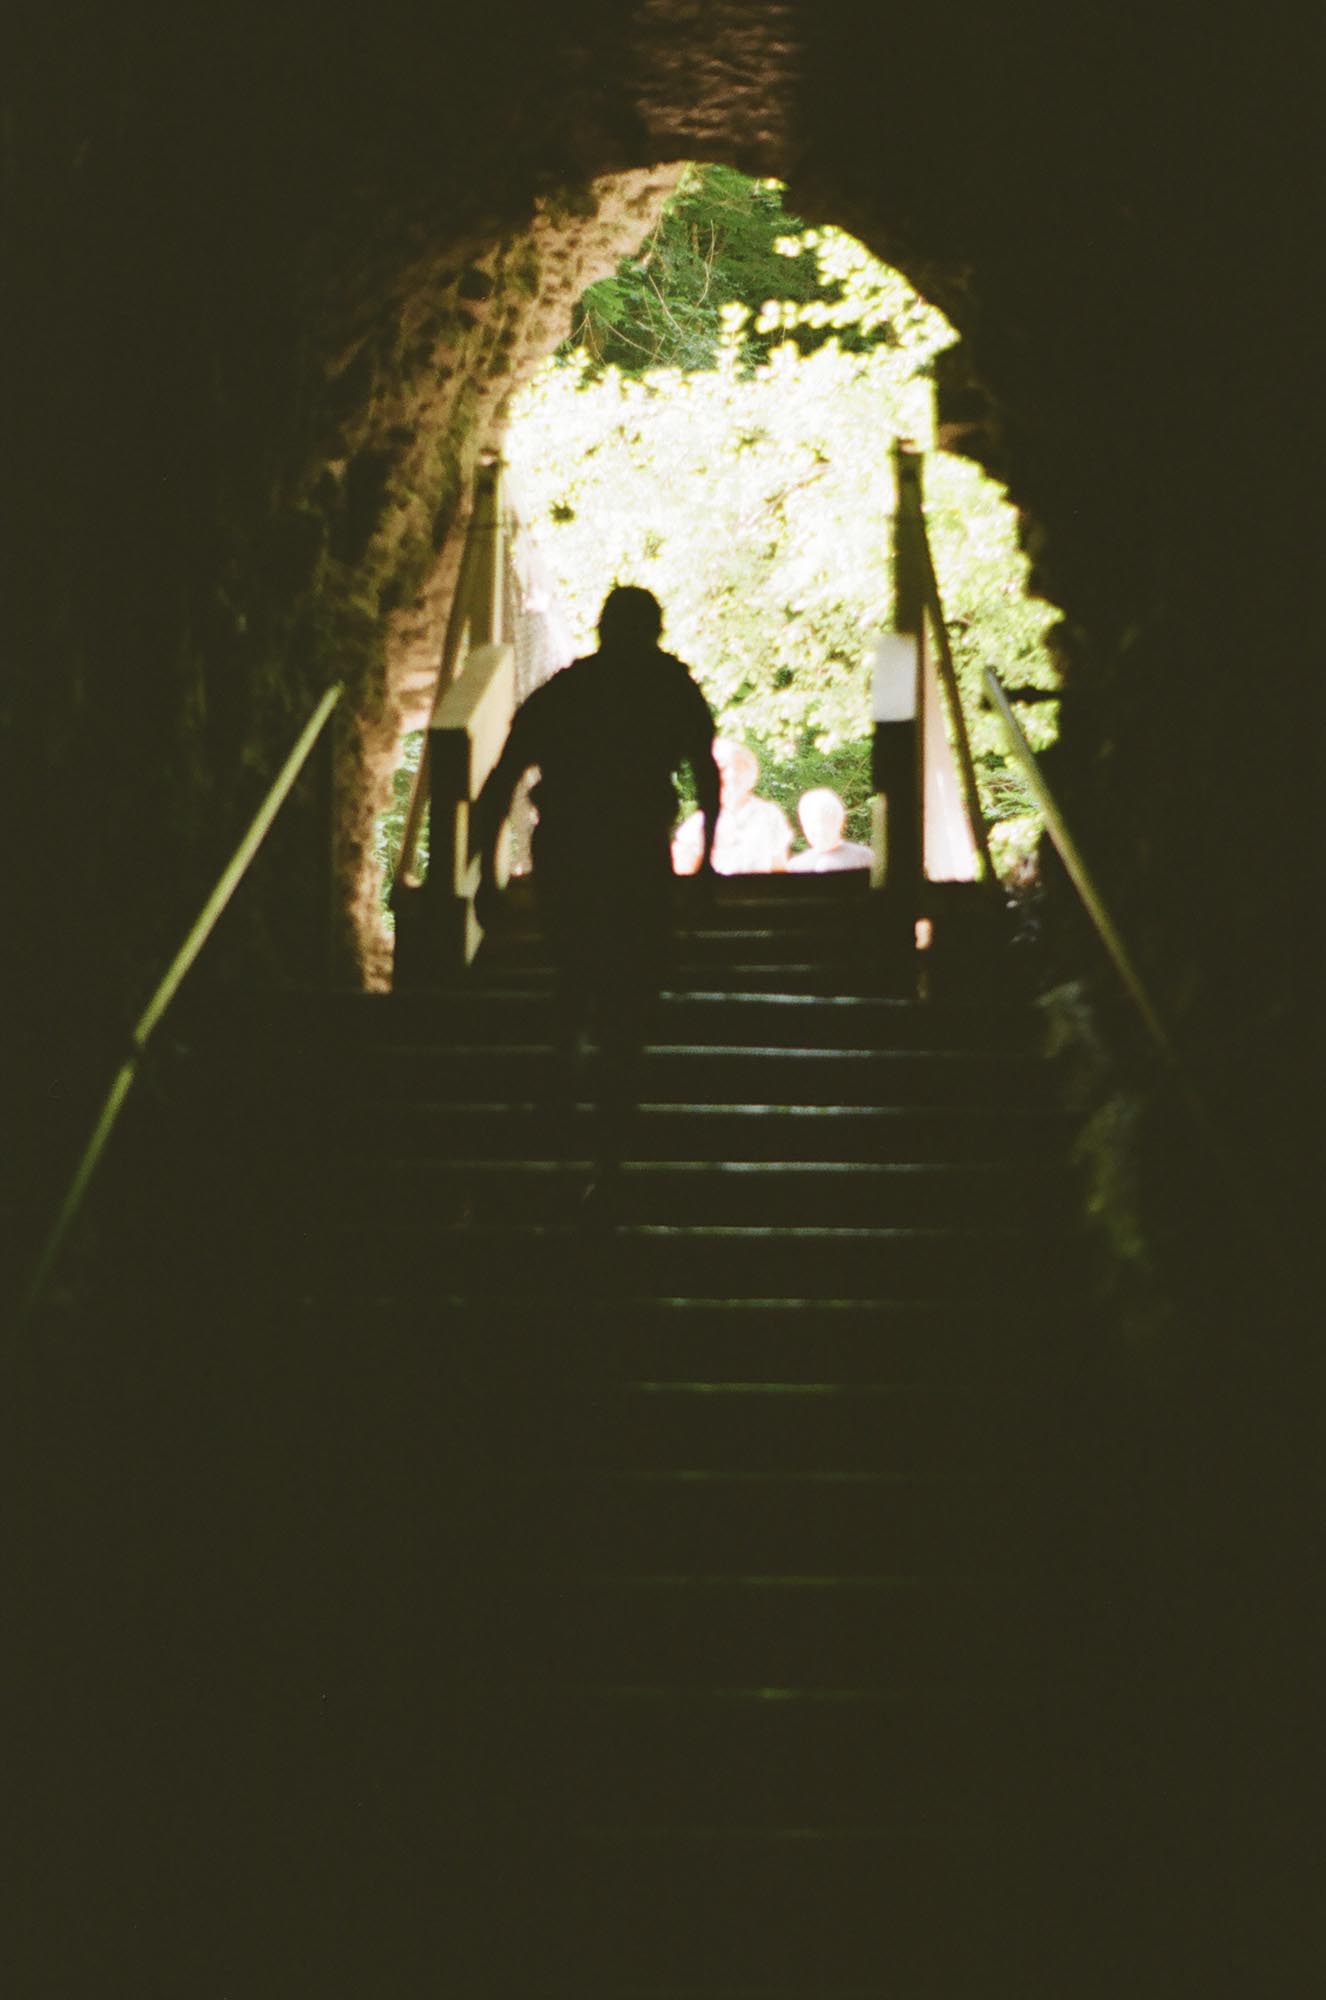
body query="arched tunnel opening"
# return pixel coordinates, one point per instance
(717, 423)
(276, 279)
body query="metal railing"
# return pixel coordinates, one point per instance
(929, 825)
(1204, 1122)
(437, 931)
(165, 991)
(920, 610)
(1078, 873)
(475, 620)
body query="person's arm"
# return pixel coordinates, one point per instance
(781, 842)
(688, 845)
(705, 772)
(700, 757)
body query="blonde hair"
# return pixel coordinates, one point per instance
(815, 807)
(741, 757)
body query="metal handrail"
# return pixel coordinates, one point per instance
(1195, 1104)
(949, 677)
(920, 588)
(485, 521)
(1071, 855)
(403, 873)
(167, 987)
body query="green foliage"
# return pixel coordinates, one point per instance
(754, 498)
(748, 482)
(991, 621)
(389, 827)
(722, 240)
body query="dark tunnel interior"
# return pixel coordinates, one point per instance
(272, 274)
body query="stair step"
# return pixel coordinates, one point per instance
(778, 1426)
(942, 1911)
(698, 1629)
(692, 1192)
(700, 1073)
(789, 1133)
(508, 1340)
(729, 1260)
(823, 976)
(644, 1757)
(730, 943)
(488, 1011)
(781, 1523)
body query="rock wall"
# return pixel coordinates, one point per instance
(274, 273)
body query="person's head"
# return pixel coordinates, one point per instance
(630, 617)
(738, 771)
(823, 817)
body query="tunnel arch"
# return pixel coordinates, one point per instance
(525, 287)
(465, 325)
(240, 239)
(238, 236)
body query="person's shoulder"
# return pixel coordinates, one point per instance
(667, 669)
(563, 685)
(670, 668)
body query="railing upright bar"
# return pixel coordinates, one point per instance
(414, 819)
(169, 985)
(899, 753)
(457, 620)
(948, 675)
(471, 584)
(921, 595)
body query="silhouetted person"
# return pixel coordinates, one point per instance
(823, 817)
(753, 836)
(607, 734)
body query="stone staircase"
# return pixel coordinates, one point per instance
(745, 1692)
(646, 1596)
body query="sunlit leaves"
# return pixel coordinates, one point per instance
(755, 501)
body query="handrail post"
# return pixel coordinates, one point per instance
(948, 679)
(466, 735)
(896, 766)
(475, 620)
(468, 731)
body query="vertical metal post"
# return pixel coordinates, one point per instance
(485, 603)
(897, 767)
(909, 580)
(475, 620)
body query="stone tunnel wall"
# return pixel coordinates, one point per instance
(272, 273)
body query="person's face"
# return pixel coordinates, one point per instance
(822, 823)
(735, 779)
